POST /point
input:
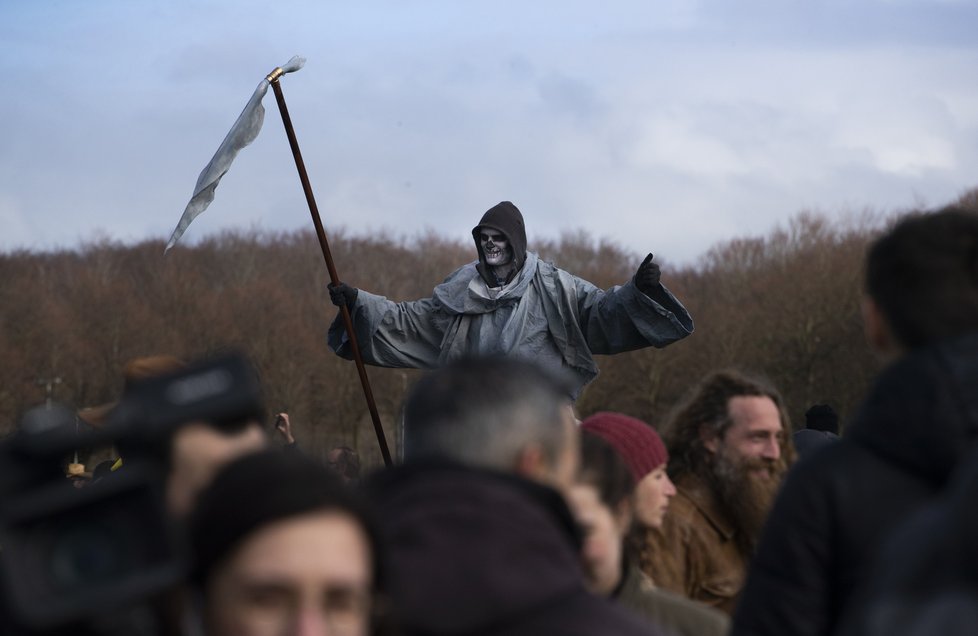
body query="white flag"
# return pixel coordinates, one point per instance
(244, 131)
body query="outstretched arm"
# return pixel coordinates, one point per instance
(640, 313)
(648, 280)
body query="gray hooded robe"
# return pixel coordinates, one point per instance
(543, 313)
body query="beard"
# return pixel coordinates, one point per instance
(746, 488)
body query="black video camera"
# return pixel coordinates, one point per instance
(72, 557)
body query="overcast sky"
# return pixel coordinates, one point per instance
(665, 126)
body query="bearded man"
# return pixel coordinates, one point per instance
(728, 450)
(509, 302)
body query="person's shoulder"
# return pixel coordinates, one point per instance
(466, 272)
(827, 462)
(584, 614)
(682, 508)
(688, 616)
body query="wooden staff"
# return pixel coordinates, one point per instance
(273, 79)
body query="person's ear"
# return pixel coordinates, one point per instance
(709, 438)
(532, 464)
(876, 328)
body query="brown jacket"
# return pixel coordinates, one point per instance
(695, 552)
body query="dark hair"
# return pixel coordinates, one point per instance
(706, 404)
(822, 417)
(603, 468)
(923, 276)
(483, 411)
(262, 488)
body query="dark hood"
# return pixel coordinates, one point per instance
(506, 218)
(473, 549)
(922, 412)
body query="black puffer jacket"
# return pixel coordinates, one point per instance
(474, 552)
(838, 505)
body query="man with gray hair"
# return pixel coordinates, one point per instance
(480, 538)
(494, 413)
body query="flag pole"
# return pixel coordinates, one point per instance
(273, 79)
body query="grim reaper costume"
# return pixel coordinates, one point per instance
(536, 311)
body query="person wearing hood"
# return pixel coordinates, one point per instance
(919, 420)
(511, 302)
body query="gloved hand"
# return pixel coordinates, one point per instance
(343, 294)
(648, 275)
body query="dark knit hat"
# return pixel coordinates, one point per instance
(822, 417)
(637, 442)
(262, 488)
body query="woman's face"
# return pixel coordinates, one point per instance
(603, 535)
(652, 496)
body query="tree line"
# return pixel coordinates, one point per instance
(784, 305)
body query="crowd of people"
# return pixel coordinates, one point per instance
(507, 513)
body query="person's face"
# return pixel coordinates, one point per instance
(652, 495)
(496, 248)
(198, 451)
(754, 437)
(603, 537)
(304, 576)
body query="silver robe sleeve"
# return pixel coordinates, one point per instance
(623, 318)
(390, 334)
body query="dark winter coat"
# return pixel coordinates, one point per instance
(926, 579)
(838, 505)
(474, 552)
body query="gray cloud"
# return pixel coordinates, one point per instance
(663, 126)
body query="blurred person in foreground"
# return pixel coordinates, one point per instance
(623, 483)
(510, 302)
(729, 450)
(192, 451)
(918, 421)
(281, 546)
(481, 539)
(926, 579)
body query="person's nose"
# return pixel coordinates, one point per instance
(311, 622)
(670, 488)
(772, 449)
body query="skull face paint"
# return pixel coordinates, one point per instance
(496, 247)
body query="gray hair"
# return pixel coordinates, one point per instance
(485, 411)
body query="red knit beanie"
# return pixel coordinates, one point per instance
(635, 441)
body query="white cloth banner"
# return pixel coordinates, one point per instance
(244, 131)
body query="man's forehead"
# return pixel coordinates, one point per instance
(488, 231)
(754, 412)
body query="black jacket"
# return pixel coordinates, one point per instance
(838, 505)
(474, 552)
(926, 579)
